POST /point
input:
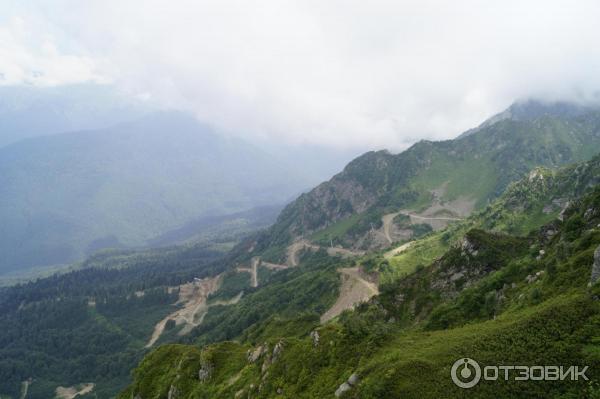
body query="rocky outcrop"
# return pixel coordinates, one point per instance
(206, 370)
(314, 335)
(173, 392)
(277, 350)
(346, 386)
(254, 355)
(596, 267)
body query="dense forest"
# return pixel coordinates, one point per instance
(89, 324)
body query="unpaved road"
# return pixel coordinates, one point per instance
(273, 266)
(253, 270)
(436, 222)
(254, 266)
(412, 215)
(354, 290)
(25, 388)
(293, 250)
(396, 251)
(73, 392)
(343, 252)
(193, 296)
(226, 302)
(387, 221)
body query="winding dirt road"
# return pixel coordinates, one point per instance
(25, 388)
(412, 215)
(273, 266)
(354, 290)
(194, 298)
(387, 221)
(294, 249)
(399, 250)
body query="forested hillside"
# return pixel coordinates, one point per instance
(91, 325)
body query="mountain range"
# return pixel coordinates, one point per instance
(31, 111)
(66, 195)
(370, 285)
(437, 179)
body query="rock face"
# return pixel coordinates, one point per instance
(254, 355)
(346, 386)
(314, 335)
(596, 267)
(205, 372)
(277, 350)
(173, 393)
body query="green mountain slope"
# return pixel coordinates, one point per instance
(498, 298)
(509, 283)
(456, 176)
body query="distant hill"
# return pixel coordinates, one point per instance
(29, 111)
(65, 195)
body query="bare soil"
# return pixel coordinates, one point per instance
(356, 288)
(193, 296)
(74, 391)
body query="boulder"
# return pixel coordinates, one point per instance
(345, 387)
(596, 267)
(173, 393)
(254, 355)
(315, 338)
(277, 350)
(353, 379)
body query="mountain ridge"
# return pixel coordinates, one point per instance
(127, 184)
(477, 167)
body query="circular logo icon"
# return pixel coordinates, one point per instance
(466, 373)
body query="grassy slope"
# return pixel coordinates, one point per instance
(478, 167)
(553, 321)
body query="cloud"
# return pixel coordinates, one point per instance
(29, 56)
(353, 74)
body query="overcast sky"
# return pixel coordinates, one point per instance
(357, 74)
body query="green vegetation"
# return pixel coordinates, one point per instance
(232, 284)
(477, 167)
(508, 285)
(311, 288)
(91, 325)
(491, 296)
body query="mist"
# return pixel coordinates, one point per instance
(346, 75)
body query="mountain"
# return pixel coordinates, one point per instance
(530, 110)
(491, 251)
(29, 111)
(497, 298)
(436, 179)
(66, 195)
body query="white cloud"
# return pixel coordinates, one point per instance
(31, 56)
(344, 73)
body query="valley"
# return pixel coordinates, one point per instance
(368, 285)
(479, 295)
